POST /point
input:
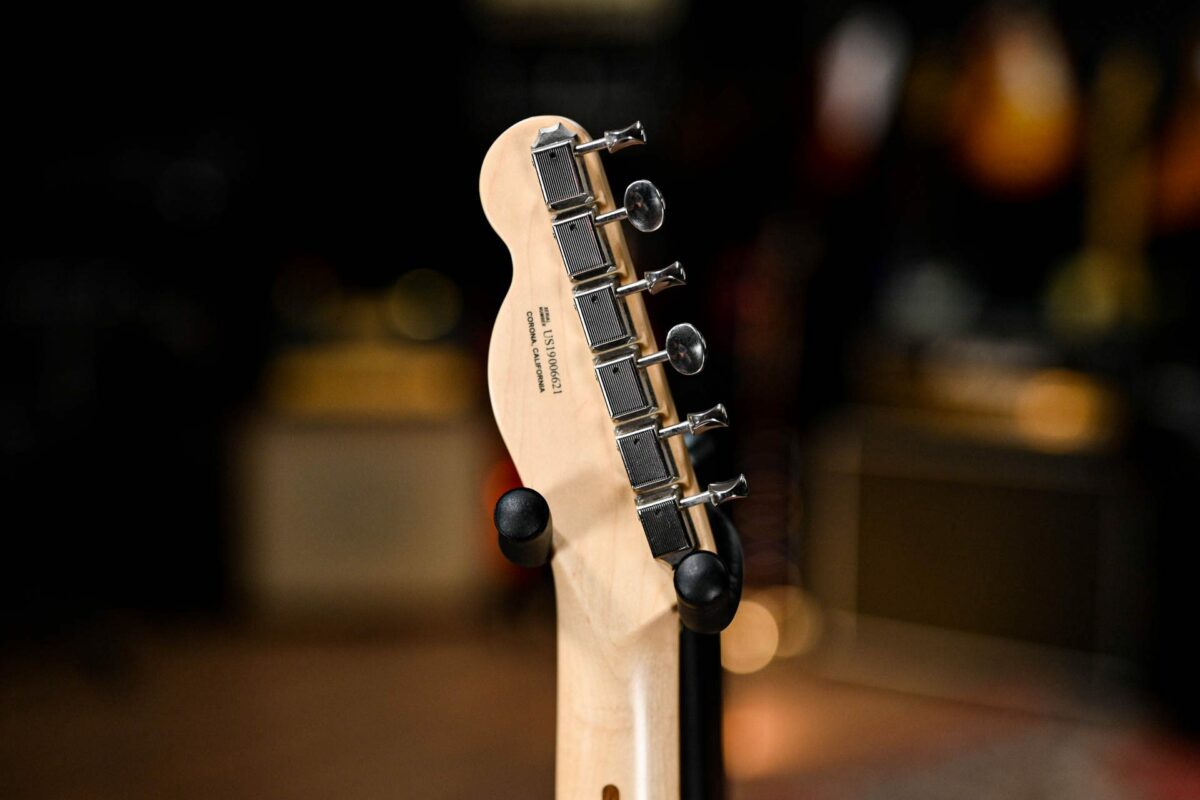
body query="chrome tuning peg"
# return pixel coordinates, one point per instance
(715, 417)
(644, 207)
(555, 151)
(612, 141)
(601, 306)
(622, 375)
(584, 253)
(668, 529)
(685, 350)
(642, 444)
(718, 493)
(656, 280)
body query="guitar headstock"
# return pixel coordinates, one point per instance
(577, 379)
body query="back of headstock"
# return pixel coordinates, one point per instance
(581, 399)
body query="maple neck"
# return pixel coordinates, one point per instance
(582, 402)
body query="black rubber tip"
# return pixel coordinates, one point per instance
(709, 586)
(522, 519)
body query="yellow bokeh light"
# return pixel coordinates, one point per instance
(761, 736)
(1059, 410)
(750, 641)
(797, 616)
(423, 305)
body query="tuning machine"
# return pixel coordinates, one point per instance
(601, 305)
(555, 158)
(622, 376)
(643, 446)
(667, 525)
(584, 252)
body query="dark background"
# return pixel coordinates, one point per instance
(163, 177)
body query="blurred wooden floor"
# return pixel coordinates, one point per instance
(223, 716)
(235, 715)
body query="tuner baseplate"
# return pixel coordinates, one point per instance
(564, 184)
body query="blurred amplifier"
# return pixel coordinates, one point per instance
(361, 517)
(954, 545)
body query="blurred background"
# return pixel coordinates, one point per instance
(946, 264)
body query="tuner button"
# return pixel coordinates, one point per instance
(665, 278)
(656, 280)
(628, 136)
(715, 417)
(612, 141)
(686, 349)
(644, 207)
(719, 492)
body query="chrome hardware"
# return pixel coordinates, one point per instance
(685, 350)
(648, 461)
(718, 493)
(647, 458)
(641, 438)
(626, 390)
(584, 253)
(656, 280)
(715, 417)
(667, 525)
(644, 208)
(603, 314)
(612, 141)
(622, 376)
(564, 184)
(602, 311)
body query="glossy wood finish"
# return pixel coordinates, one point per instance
(617, 628)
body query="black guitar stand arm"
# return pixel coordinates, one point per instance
(708, 587)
